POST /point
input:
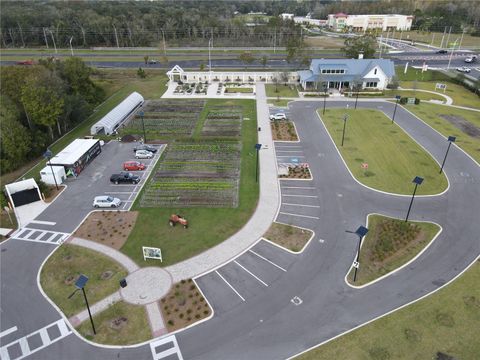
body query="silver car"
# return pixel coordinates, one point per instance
(106, 202)
(143, 154)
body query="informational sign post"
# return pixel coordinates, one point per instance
(151, 253)
(441, 87)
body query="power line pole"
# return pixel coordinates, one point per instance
(116, 36)
(461, 39)
(45, 37)
(448, 37)
(443, 37)
(164, 46)
(53, 39)
(274, 39)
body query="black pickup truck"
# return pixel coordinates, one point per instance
(124, 177)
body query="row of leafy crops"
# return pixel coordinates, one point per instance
(223, 122)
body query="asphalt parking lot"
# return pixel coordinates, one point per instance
(76, 200)
(246, 277)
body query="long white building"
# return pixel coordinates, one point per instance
(340, 21)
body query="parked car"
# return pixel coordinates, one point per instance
(442, 51)
(278, 116)
(125, 177)
(143, 154)
(150, 148)
(106, 202)
(133, 166)
(463, 69)
(471, 59)
(153, 61)
(25, 62)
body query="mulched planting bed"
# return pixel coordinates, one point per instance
(290, 237)
(301, 171)
(283, 130)
(164, 118)
(196, 174)
(183, 306)
(223, 122)
(463, 124)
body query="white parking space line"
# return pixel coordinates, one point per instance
(305, 196)
(231, 287)
(298, 187)
(305, 216)
(248, 271)
(174, 349)
(44, 336)
(289, 151)
(118, 192)
(302, 205)
(287, 156)
(43, 222)
(8, 331)
(269, 261)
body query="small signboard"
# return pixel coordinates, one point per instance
(364, 165)
(441, 86)
(151, 253)
(356, 264)
(410, 100)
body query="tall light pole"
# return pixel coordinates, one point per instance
(398, 97)
(450, 140)
(164, 47)
(361, 232)
(80, 285)
(257, 147)
(71, 49)
(417, 181)
(48, 155)
(345, 117)
(142, 114)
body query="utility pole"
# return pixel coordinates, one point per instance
(381, 38)
(433, 38)
(53, 39)
(448, 37)
(116, 36)
(71, 49)
(461, 39)
(274, 39)
(164, 46)
(45, 37)
(443, 37)
(451, 54)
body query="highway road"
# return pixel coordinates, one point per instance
(302, 299)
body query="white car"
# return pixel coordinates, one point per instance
(278, 116)
(143, 154)
(106, 202)
(463, 69)
(471, 59)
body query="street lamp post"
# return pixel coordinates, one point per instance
(450, 140)
(80, 285)
(142, 114)
(324, 97)
(257, 147)
(71, 48)
(345, 117)
(361, 232)
(398, 97)
(48, 155)
(417, 181)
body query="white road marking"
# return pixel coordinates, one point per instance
(8, 331)
(312, 206)
(248, 271)
(43, 222)
(118, 192)
(296, 300)
(297, 156)
(231, 287)
(175, 349)
(269, 261)
(298, 187)
(305, 216)
(289, 151)
(23, 235)
(46, 341)
(307, 196)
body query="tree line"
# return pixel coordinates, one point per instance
(41, 103)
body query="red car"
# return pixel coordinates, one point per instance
(133, 166)
(25, 62)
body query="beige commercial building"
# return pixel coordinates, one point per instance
(340, 21)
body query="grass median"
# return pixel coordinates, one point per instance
(444, 322)
(389, 244)
(63, 268)
(450, 121)
(283, 90)
(393, 157)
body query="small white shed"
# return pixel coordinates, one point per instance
(110, 122)
(47, 175)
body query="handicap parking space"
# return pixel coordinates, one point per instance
(245, 277)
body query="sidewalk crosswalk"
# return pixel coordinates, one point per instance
(38, 235)
(166, 348)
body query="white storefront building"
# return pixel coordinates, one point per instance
(385, 22)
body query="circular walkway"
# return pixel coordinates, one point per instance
(146, 285)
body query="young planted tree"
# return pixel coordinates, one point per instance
(366, 45)
(247, 58)
(263, 61)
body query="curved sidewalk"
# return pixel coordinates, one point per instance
(263, 216)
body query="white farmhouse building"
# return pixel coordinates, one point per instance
(343, 74)
(340, 21)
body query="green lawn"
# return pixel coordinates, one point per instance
(238, 90)
(151, 88)
(63, 268)
(393, 158)
(279, 103)
(417, 74)
(446, 322)
(427, 37)
(283, 91)
(207, 226)
(120, 324)
(405, 93)
(432, 115)
(460, 95)
(389, 244)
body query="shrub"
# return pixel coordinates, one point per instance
(141, 73)
(417, 101)
(403, 100)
